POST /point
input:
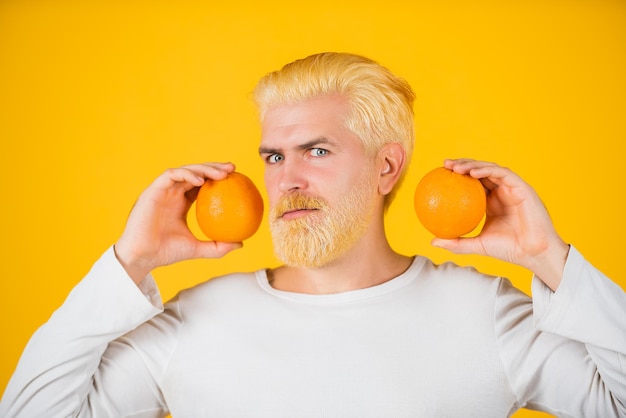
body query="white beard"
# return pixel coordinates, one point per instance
(320, 237)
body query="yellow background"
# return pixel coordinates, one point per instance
(98, 98)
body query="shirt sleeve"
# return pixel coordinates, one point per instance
(55, 375)
(565, 353)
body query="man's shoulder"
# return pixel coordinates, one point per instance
(463, 278)
(231, 282)
(450, 270)
(231, 289)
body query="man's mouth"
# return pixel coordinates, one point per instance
(297, 213)
(297, 206)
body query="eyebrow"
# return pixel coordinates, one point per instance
(304, 146)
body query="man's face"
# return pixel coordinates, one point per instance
(320, 181)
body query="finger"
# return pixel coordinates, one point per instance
(213, 171)
(183, 178)
(460, 245)
(213, 167)
(449, 163)
(193, 175)
(489, 173)
(469, 167)
(466, 165)
(493, 176)
(488, 184)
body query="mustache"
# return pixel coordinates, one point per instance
(297, 201)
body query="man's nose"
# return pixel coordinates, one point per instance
(292, 177)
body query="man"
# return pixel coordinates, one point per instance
(347, 327)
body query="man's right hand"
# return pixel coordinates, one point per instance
(156, 232)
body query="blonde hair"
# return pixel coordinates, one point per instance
(381, 104)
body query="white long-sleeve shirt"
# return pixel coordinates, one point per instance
(436, 341)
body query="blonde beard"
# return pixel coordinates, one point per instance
(320, 237)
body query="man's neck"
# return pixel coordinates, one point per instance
(364, 266)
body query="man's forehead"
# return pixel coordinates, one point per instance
(319, 121)
(316, 111)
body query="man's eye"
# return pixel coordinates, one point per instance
(318, 152)
(275, 158)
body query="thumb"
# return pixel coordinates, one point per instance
(215, 249)
(459, 245)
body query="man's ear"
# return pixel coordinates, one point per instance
(391, 159)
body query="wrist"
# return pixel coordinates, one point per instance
(549, 266)
(136, 268)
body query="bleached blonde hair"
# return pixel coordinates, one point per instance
(381, 103)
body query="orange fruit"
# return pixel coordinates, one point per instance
(229, 210)
(449, 204)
